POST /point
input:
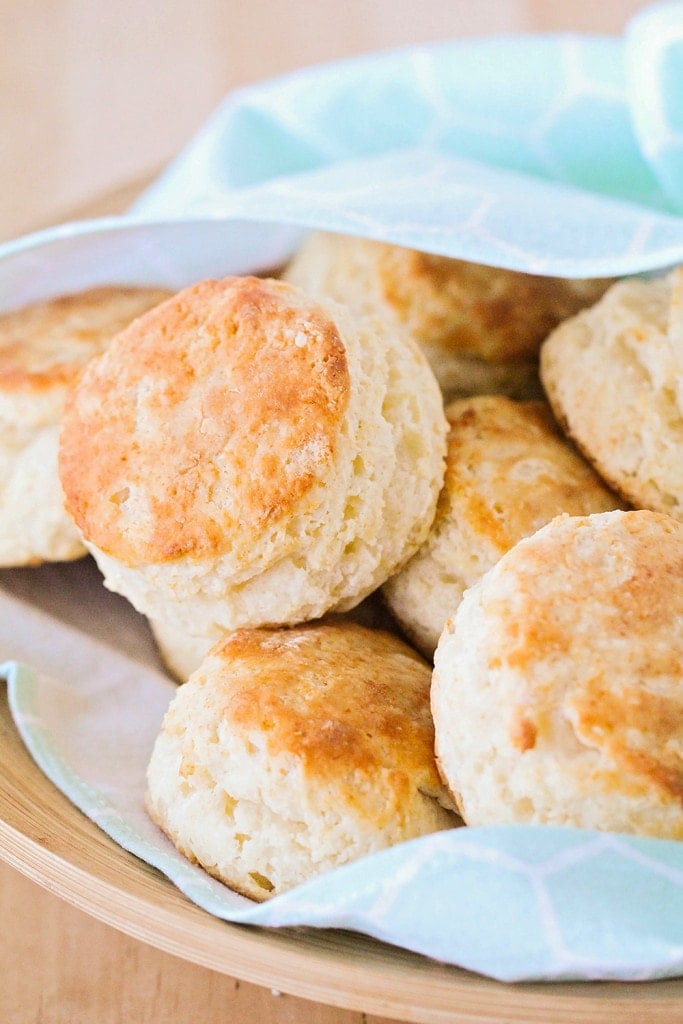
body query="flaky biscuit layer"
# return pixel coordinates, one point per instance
(43, 347)
(508, 472)
(480, 327)
(245, 455)
(291, 752)
(558, 685)
(613, 377)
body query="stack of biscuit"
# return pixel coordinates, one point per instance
(42, 348)
(246, 456)
(480, 327)
(412, 562)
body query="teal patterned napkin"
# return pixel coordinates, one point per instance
(514, 903)
(558, 154)
(555, 154)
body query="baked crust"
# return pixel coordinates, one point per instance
(509, 471)
(45, 344)
(290, 752)
(43, 348)
(233, 395)
(557, 686)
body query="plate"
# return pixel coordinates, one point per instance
(48, 839)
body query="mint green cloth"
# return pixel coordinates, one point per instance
(558, 154)
(511, 902)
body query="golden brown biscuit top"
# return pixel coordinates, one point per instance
(597, 633)
(484, 312)
(346, 701)
(509, 471)
(205, 422)
(45, 344)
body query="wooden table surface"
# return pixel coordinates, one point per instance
(91, 96)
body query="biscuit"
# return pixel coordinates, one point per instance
(509, 471)
(182, 653)
(244, 456)
(42, 348)
(557, 692)
(480, 327)
(291, 752)
(613, 377)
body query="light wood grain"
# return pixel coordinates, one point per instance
(81, 971)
